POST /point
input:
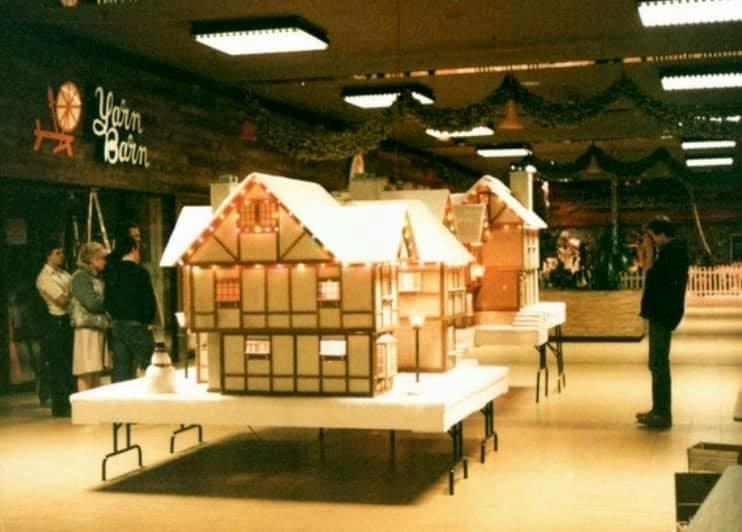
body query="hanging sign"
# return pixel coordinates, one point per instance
(118, 128)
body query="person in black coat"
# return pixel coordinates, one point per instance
(130, 300)
(663, 305)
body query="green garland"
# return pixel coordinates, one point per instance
(608, 163)
(305, 142)
(309, 142)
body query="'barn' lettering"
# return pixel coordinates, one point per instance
(113, 122)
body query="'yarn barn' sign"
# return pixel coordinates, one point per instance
(118, 127)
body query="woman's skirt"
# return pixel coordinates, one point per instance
(88, 353)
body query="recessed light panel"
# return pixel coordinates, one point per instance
(679, 12)
(259, 36)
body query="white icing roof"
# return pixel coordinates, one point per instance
(361, 233)
(191, 221)
(497, 187)
(434, 242)
(434, 199)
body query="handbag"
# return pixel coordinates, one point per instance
(83, 318)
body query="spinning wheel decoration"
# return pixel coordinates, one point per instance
(68, 107)
(66, 111)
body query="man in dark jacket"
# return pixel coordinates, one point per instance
(663, 304)
(130, 300)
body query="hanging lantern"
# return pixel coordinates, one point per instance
(511, 120)
(593, 167)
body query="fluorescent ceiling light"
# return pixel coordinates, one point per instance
(710, 161)
(259, 36)
(372, 101)
(729, 118)
(378, 97)
(724, 80)
(479, 131)
(707, 144)
(494, 151)
(677, 12)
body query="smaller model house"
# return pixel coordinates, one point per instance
(502, 234)
(288, 291)
(431, 284)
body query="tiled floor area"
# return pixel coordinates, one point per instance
(575, 461)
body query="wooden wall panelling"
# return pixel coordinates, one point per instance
(307, 356)
(258, 247)
(233, 361)
(191, 125)
(358, 357)
(202, 357)
(357, 288)
(303, 293)
(305, 249)
(210, 251)
(215, 361)
(289, 231)
(253, 283)
(278, 289)
(226, 233)
(284, 363)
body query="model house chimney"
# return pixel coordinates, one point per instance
(521, 185)
(366, 186)
(222, 188)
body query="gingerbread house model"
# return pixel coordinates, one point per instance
(435, 284)
(502, 234)
(432, 284)
(290, 292)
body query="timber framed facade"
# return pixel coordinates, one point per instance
(277, 304)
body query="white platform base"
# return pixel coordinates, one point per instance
(441, 401)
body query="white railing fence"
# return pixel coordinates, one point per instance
(709, 281)
(703, 281)
(632, 280)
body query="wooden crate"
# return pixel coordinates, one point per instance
(691, 490)
(713, 457)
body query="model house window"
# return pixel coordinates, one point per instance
(335, 347)
(455, 279)
(258, 216)
(258, 347)
(328, 290)
(410, 281)
(227, 286)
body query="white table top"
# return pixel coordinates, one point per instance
(553, 312)
(442, 400)
(721, 511)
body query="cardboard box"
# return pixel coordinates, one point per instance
(713, 457)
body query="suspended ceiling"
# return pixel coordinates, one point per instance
(375, 39)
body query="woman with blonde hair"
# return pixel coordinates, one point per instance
(89, 318)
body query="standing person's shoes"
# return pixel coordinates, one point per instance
(656, 421)
(641, 417)
(43, 396)
(61, 409)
